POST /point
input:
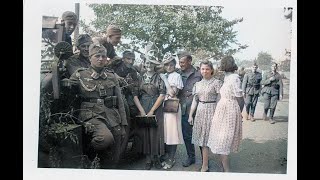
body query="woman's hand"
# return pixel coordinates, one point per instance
(150, 113)
(142, 113)
(280, 97)
(190, 120)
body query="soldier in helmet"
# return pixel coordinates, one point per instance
(129, 83)
(124, 69)
(70, 21)
(102, 105)
(272, 91)
(251, 89)
(241, 73)
(80, 60)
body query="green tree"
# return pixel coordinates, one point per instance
(244, 63)
(264, 60)
(198, 29)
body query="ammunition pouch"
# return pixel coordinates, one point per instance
(111, 102)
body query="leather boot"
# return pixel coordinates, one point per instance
(265, 117)
(252, 118)
(272, 121)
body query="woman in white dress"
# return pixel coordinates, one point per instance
(226, 126)
(172, 121)
(204, 103)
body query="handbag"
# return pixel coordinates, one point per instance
(146, 121)
(171, 105)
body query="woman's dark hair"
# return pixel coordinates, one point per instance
(228, 64)
(208, 63)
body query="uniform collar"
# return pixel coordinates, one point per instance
(96, 75)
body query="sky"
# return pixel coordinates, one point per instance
(263, 29)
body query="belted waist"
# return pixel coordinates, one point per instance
(94, 100)
(273, 85)
(110, 101)
(205, 102)
(253, 85)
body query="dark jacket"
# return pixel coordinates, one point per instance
(274, 87)
(185, 95)
(251, 83)
(75, 62)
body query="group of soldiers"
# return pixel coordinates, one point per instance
(270, 86)
(107, 84)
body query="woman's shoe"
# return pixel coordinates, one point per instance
(205, 170)
(169, 164)
(157, 164)
(148, 166)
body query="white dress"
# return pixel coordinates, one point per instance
(226, 126)
(172, 121)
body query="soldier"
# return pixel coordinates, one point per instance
(189, 77)
(113, 37)
(241, 73)
(80, 60)
(103, 106)
(125, 70)
(130, 85)
(272, 91)
(70, 21)
(251, 89)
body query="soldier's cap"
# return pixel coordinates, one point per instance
(167, 58)
(182, 54)
(83, 38)
(68, 15)
(113, 30)
(128, 54)
(96, 48)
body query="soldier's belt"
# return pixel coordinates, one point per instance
(109, 102)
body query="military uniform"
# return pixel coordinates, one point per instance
(75, 62)
(241, 75)
(111, 53)
(79, 60)
(185, 95)
(271, 92)
(130, 75)
(251, 87)
(129, 89)
(103, 107)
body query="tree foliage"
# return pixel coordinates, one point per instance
(244, 63)
(193, 28)
(264, 60)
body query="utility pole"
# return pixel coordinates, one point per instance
(77, 11)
